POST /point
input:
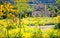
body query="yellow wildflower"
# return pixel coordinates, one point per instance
(14, 31)
(1, 13)
(16, 0)
(1, 6)
(23, 0)
(45, 35)
(57, 19)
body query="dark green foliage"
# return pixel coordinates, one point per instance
(57, 26)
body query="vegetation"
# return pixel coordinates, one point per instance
(12, 25)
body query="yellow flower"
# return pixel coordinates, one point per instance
(57, 19)
(13, 11)
(16, 0)
(14, 31)
(27, 35)
(23, 0)
(4, 10)
(1, 6)
(45, 35)
(11, 7)
(24, 21)
(2, 22)
(55, 33)
(1, 13)
(0, 35)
